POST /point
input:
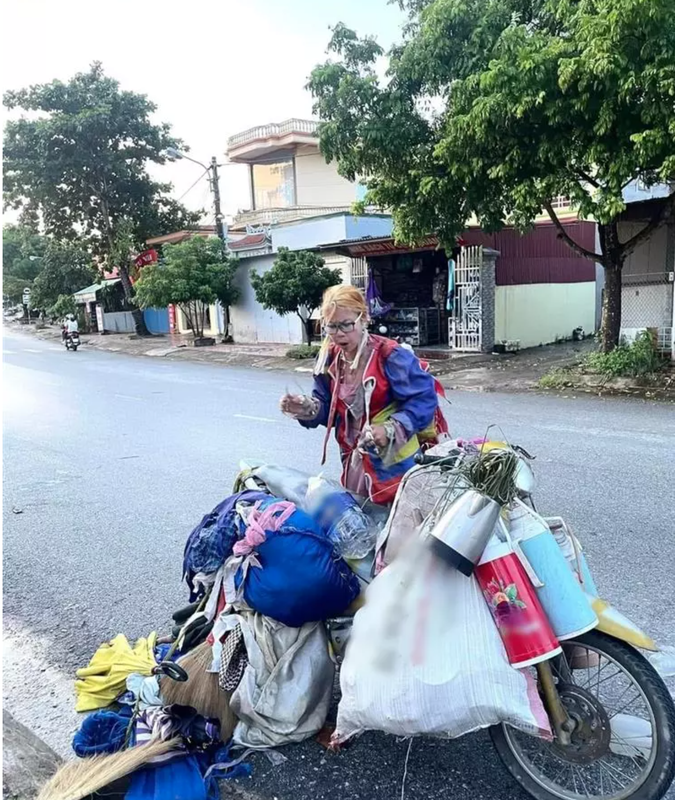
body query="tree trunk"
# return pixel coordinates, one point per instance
(139, 320)
(307, 327)
(610, 330)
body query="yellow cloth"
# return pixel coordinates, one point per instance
(105, 677)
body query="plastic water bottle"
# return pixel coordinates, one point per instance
(340, 516)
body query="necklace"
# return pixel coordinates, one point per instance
(353, 361)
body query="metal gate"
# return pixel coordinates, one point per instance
(465, 321)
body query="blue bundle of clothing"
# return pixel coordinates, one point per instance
(210, 543)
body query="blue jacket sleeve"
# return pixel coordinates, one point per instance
(321, 392)
(413, 388)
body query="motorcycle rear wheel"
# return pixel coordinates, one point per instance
(611, 681)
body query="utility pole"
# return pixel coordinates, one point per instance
(215, 188)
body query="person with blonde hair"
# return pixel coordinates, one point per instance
(377, 396)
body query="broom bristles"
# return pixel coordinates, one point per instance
(78, 779)
(201, 690)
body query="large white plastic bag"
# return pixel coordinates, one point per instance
(425, 657)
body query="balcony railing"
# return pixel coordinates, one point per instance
(306, 126)
(270, 216)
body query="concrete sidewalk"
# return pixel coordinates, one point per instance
(466, 371)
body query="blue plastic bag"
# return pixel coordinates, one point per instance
(301, 577)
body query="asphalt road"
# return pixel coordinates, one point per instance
(109, 461)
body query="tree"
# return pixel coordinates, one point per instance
(65, 268)
(63, 305)
(493, 109)
(79, 164)
(192, 275)
(295, 285)
(22, 251)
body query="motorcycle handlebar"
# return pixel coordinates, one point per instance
(424, 460)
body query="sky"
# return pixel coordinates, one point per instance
(212, 68)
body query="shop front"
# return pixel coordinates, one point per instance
(407, 288)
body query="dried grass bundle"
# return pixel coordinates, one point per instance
(78, 779)
(201, 690)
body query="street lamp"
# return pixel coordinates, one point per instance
(212, 169)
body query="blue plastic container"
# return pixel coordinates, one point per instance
(561, 595)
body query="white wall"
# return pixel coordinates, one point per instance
(538, 313)
(648, 260)
(319, 184)
(251, 323)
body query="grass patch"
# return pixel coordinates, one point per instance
(303, 351)
(557, 378)
(639, 359)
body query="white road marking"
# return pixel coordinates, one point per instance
(30, 350)
(127, 397)
(256, 419)
(9, 352)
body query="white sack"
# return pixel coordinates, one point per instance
(425, 657)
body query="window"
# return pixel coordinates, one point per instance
(273, 184)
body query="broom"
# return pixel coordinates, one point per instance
(78, 779)
(200, 690)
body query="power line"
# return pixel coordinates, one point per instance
(193, 185)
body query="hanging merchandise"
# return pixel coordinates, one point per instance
(104, 678)
(516, 610)
(560, 594)
(376, 305)
(286, 690)
(451, 285)
(287, 568)
(425, 658)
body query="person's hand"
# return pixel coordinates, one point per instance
(293, 404)
(380, 436)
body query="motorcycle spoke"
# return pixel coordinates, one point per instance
(613, 770)
(623, 707)
(620, 740)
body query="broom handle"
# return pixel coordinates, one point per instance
(174, 645)
(167, 657)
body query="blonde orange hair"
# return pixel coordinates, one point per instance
(343, 296)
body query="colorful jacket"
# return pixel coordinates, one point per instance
(401, 389)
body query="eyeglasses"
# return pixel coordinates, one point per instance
(344, 327)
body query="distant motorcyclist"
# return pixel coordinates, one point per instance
(69, 326)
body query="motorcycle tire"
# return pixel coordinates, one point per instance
(660, 777)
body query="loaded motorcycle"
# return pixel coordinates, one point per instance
(611, 715)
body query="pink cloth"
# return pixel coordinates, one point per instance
(271, 519)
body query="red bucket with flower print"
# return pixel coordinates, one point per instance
(525, 630)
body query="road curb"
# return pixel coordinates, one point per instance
(28, 762)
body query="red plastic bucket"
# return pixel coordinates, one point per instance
(522, 623)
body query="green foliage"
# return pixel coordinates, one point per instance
(64, 304)
(295, 284)
(495, 108)
(303, 351)
(79, 160)
(557, 378)
(22, 251)
(65, 268)
(193, 275)
(638, 359)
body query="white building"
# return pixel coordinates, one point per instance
(298, 201)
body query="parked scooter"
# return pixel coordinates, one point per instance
(612, 716)
(71, 340)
